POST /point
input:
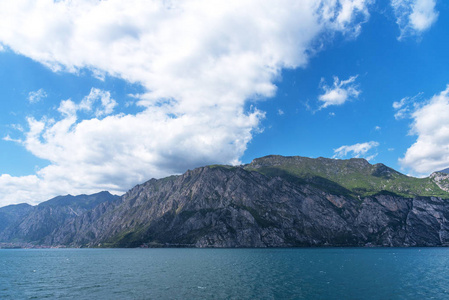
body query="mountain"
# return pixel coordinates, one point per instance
(12, 213)
(34, 223)
(274, 201)
(445, 171)
(352, 177)
(441, 179)
(81, 202)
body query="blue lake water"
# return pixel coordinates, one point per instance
(323, 273)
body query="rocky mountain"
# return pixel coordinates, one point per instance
(35, 223)
(13, 213)
(274, 201)
(441, 179)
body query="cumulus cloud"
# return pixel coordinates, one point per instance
(121, 150)
(430, 152)
(36, 96)
(357, 150)
(414, 16)
(199, 63)
(339, 92)
(25, 187)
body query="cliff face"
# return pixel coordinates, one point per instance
(232, 207)
(268, 203)
(441, 179)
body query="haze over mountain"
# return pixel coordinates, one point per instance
(274, 201)
(445, 171)
(26, 223)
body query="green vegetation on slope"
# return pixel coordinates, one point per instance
(352, 177)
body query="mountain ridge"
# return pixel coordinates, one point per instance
(274, 201)
(33, 223)
(356, 175)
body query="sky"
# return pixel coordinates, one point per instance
(103, 95)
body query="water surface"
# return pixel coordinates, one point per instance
(323, 273)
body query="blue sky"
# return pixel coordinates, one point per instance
(103, 95)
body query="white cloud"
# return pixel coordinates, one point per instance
(340, 92)
(26, 187)
(198, 61)
(377, 128)
(414, 16)
(17, 127)
(36, 96)
(107, 103)
(8, 138)
(357, 150)
(98, 100)
(430, 152)
(404, 107)
(280, 112)
(121, 150)
(2, 48)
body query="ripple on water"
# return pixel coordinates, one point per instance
(336, 273)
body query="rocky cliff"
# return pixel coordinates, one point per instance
(441, 179)
(272, 202)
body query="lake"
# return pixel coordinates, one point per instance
(311, 273)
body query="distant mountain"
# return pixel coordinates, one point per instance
(35, 223)
(274, 201)
(81, 202)
(12, 213)
(444, 171)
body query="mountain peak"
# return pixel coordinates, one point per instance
(85, 201)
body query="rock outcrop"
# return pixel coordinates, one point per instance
(441, 179)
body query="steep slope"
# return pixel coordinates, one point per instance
(216, 206)
(41, 220)
(13, 213)
(273, 202)
(220, 206)
(441, 179)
